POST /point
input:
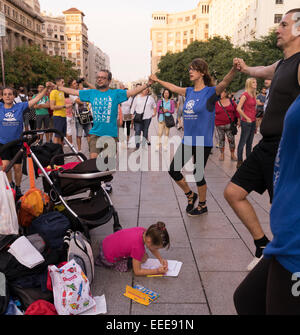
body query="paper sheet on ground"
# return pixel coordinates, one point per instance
(99, 308)
(174, 267)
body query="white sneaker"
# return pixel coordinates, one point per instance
(253, 264)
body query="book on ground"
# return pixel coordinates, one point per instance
(174, 267)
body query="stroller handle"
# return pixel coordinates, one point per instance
(41, 132)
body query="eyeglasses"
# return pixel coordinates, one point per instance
(102, 78)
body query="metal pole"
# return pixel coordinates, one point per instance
(2, 62)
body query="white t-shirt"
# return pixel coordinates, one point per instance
(139, 105)
(125, 106)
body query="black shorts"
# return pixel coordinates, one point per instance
(257, 172)
(9, 154)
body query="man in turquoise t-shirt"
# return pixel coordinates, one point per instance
(42, 114)
(104, 103)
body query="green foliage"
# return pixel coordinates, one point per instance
(219, 54)
(29, 67)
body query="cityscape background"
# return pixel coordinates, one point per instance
(129, 38)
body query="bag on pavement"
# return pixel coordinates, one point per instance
(4, 295)
(80, 250)
(52, 227)
(8, 215)
(71, 289)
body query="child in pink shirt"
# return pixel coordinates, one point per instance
(118, 249)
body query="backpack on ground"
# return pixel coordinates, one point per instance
(52, 227)
(80, 250)
(4, 295)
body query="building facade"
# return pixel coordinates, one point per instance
(260, 18)
(54, 35)
(173, 32)
(77, 46)
(98, 60)
(23, 23)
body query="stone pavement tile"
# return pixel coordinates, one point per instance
(170, 309)
(213, 225)
(248, 239)
(222, 255)
(113, 285)
(187, 288)
(164, 207)
(131, 200)
(219, 288)
(156, 178)
(175, 227)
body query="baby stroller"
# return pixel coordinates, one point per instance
(76, 189)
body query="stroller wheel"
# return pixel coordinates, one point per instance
(117, 226)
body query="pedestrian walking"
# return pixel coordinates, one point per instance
(226, 113)
(256, 173)
(199, 123)
(144, 109)
(165, 107)
(247, 111)
(179, 119)
(272, 287)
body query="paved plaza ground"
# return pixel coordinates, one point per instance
(215, 249)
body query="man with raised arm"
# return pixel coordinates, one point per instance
(105, 102)
(256, 173)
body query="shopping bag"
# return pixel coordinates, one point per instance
(71, 289)
(8, 216)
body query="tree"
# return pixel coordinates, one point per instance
(219, 54)
(29, 67)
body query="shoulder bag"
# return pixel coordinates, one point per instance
(169, 120)
(138, 118)
(233, 126)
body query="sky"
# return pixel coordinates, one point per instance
(121, 28)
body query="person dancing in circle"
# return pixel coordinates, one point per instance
(199, 122)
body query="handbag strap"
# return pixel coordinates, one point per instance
(145, 104)
(225, 111)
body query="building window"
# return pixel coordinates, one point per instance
(277, 18)
(62, 38)
(279, 2)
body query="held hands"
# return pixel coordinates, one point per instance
(239, 64)
(153, 78)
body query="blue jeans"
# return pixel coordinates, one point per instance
(139, 128)
(247, 137)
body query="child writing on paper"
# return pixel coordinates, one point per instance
(117, 250)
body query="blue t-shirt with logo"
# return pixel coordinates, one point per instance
(105, 110)
(285, 213)
(199, 116)
(11, 122)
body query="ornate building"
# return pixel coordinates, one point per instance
(54, 35)
(23, 23)
(77, 40)
(173, 32)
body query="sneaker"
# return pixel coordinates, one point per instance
(253, 264)
(192, 202)
(198, 211)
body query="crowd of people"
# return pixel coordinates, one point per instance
(201, 110)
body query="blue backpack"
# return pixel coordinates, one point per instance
(52, 227)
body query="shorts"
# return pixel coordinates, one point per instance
(60, 123)
(257, 172)
(83, 128)
(70, 125)
(9, 154)
(93, 145)
(42, 121)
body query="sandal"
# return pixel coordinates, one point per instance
(192, 198)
